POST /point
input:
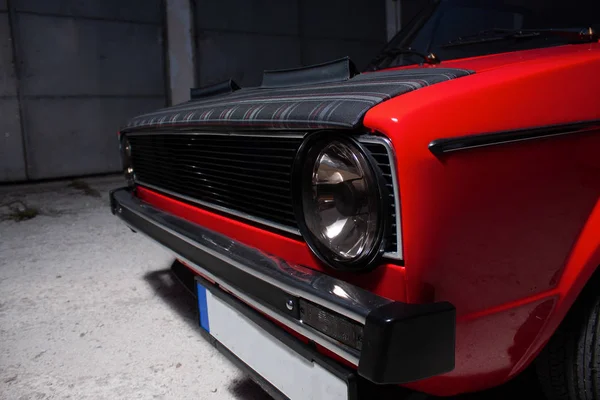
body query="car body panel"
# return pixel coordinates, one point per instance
(509, 234)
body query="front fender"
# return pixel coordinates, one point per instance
(582, 263)
(507, 233)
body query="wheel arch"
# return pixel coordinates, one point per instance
(575, 282)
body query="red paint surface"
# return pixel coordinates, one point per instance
(500, 60)
(508, 234)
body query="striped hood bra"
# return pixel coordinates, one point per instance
(338, 104)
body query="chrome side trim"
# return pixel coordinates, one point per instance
(439, 147)
(398, 254)
(226, 210)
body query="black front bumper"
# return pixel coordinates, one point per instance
(401, 342)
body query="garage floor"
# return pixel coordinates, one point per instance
(88, 310)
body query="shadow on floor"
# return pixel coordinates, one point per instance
(524, 386)
(166, 286)
(247, 389)
(183, 303)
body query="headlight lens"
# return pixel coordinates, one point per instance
(342, 205)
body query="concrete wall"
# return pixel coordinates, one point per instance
(12, 163)
(72, 71)
(241, 38)
(181, 50)
(83, 68)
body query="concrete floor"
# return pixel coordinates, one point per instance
(88, 310)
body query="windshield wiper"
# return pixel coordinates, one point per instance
(576, 35)
(390, 54)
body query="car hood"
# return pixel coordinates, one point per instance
(325, 96)
(491, 62)
(320, 97)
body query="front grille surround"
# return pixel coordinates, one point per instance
(382, 151)
(212, 169)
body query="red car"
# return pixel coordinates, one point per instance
(432, 223)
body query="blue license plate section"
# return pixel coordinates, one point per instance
(266, 354)
(202, 307)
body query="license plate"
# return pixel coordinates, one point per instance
(285, 369)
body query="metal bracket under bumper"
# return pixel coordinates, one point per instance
(401, 342)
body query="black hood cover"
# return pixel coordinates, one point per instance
(319, 97)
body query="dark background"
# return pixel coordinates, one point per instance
(72, 71)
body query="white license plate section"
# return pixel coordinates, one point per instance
(285, 369)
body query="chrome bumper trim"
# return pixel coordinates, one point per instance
(336, 295)
(397, 336)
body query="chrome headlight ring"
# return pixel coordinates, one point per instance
(341, 202)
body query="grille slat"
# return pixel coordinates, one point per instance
(214, 173)
(197, 164)
(252, 208)
(249, 175)
(220, 162)
(251, 158)
(230, 141)
(206, 187)
(216, 160)
(242, 154)
(231, 196)
(209, 178)
(227, 149)
(253, 190)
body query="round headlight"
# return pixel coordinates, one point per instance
(341, 215)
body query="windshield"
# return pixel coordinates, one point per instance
(452, 29)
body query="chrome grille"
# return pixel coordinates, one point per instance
(383, 155)
(247, 176)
